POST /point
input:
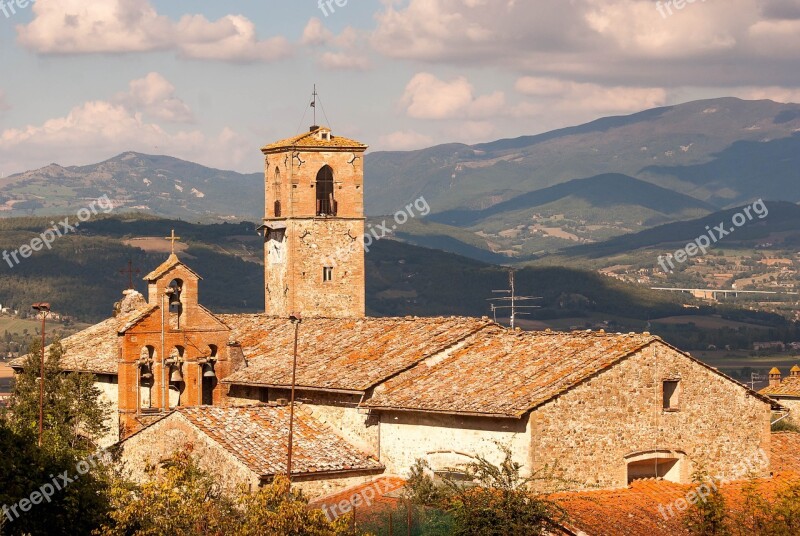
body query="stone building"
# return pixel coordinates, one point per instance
(604, 408)
(786, 391)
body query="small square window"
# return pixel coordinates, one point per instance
(327, 274)
(672, 391)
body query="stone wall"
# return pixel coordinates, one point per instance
(341, 413)
(448, 440)
(110, 393)
(616, 416)
(793, 405)
(294, 258)
(158, 442)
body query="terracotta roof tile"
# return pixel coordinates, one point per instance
(95, 349)
(308, 140)
(257, 436)
(634, 511)
(510, 372)
(789, 386)
(785, 450)
(383, 493)
(339, 353)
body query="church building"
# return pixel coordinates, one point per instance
(373, 395)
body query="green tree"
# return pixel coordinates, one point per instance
(183, 500)
(493, 500)
(64, 468)
(707, 516)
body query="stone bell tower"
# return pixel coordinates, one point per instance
(314, 225)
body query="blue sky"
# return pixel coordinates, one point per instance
(212, 81)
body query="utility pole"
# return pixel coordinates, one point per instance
(512, 298)
(43, 309)
(295, 319)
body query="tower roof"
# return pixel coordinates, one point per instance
(166, 266)
(316, 138)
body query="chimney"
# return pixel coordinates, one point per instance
(795, 372)
(774, 377)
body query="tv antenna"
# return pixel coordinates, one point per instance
(512, 300)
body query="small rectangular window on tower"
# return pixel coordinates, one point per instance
(327, 274)
(671, 395)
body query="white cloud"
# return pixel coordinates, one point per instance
(343, 61)
(124, 26)
(614, 42)
(315, 33)
(777, 94)
(405, 140)
(427, 97)
(95, 130)
(586, 97)
(155, 96)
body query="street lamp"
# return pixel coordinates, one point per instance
(295, 319)
(43, 309)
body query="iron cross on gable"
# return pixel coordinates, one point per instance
(172, 238)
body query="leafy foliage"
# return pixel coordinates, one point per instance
(183, 500)
(489, 499)
(73, 420)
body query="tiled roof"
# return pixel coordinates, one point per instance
(508, 372)
(258, 435)
(789, 386)
(348, 354)
(166, 266)
(634, 511)
(375, 497)
(309, 140)
(785, 451)
(95, 349)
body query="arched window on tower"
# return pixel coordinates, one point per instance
(209, 376)
(147, 357)
(177, 383)
(175, 289)
(276, 192)
(326, 204)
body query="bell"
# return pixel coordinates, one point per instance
(208, 371)
(146, 374)
(176, 376)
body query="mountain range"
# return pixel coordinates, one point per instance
(509, 200)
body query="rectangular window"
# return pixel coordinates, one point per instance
(327, 274)
(671, 394)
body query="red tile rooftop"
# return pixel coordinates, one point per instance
(341, 354)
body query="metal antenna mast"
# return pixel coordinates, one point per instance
(314, 103)
(512, 298)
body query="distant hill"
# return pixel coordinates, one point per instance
(650, 145)
(159, 185)
(608, 192)
(781, 225)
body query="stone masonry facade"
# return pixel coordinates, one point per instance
(596, 427)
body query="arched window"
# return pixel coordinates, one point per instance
(146, 358)
(175, 289)
(209, 376)
(326, 204)
(177, 383)
(276, 192)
